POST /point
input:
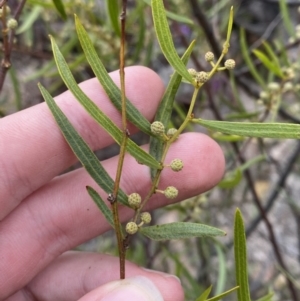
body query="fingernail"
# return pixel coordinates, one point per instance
(165, 275)
(134, 289)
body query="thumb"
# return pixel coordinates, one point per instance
(137, 288)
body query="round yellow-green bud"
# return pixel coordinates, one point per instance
(131, 228)
(202, 77)
(7, 11)
(171, 132)
(274, 87)
(157, 128)
(192, 72)
(12, 23)
(229, 64)
(176, 165)
(171, 192)
(145, 217)
(264, 95)
(134, 200)
(209, 56)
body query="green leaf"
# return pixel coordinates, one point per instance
(270, 65)
(180, 231)
(231, 180)
(164, 110)
(60, 8)
(204, 295)
(229, 138)
(240, 256)
(101, 205)
(112, 7)
(104, 121)
(267, 297)
(221, 296)
(110, 88)
(248, 60)
(31, 17)
(222, 269)
(289, 26)
(175, 17)
(253, 129)
(82, 151)
(273, 56)
(165, 39)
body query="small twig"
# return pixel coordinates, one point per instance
(8, 39)
(122, 245)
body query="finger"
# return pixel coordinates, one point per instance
(75, 274)
(32, 148)
(38, 231)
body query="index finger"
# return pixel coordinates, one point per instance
(32, 148)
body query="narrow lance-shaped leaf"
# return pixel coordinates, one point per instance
(104, 121)
(248, 60)
(179, 231)
(253, 129)
(273, 56)
(101, 205)
(204, 295)
(113, 13)
(270, 65)
(164, 111)
(60, 8)
(81, 150)
(165, 39)
(110, 88)
(175, 17)
(223, 295)
(240, 256)
(267, 297)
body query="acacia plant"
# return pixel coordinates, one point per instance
(161, 138)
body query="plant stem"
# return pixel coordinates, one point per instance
(118, 229)
(8, 39)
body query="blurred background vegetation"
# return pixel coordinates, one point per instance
(262, 176)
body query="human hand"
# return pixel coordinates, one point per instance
(44, 214)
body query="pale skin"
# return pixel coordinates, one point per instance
(44, 215)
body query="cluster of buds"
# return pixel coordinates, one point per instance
(132, 227)
(11, 22)
(202, 76)
(199, 77)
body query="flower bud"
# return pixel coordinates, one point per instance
(157, 128)
(171, 132)
(209, 56)
(134, 200)
(176, 165)
(145, 217)
(264, 95)
(192, 72)
(131, 228)
(202, 77)
(12, 23)
(171, 192)
(274, 87)
(229, 64)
